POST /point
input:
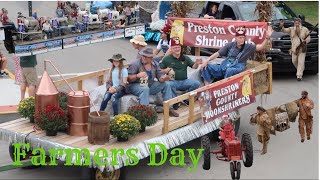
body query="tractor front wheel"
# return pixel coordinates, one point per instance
(238, 170)
(232, 170)
(28, 156)
(247, 150)
(205, 144)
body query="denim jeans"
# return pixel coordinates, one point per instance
(184, 85)
(222, 71)
(144, 92)
(49, 33)
(115, 103)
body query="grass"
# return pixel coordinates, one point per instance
(308, 8)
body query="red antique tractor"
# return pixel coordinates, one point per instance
(231, 150)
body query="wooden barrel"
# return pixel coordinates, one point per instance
(98, 128)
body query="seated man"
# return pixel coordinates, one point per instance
(3, 64)
(178, 63)
(237, 53)
(164, 43)
(143, 74)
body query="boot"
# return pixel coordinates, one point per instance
(264, 149)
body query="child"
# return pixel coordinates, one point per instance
(116, 83)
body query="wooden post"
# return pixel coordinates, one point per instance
(101, 80)
(166, 107)
(197, 51)
(80, 85)
(270, 77)
(191, 107)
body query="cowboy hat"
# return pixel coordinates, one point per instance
(139, 40)
(148, 52)
(116, 57)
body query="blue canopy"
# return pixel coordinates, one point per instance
(101, 4)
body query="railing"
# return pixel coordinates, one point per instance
(192, 115)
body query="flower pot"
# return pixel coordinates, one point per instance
(121, 139)
(143, 128)
(51, 132)
(31, 119)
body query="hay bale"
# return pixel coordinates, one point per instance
(292, 110)
(260, 79)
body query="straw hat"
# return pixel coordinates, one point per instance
(116, 57)
(139, 40)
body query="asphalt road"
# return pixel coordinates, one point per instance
(287, 158)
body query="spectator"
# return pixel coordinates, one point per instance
(29, 75)
(3, 64)
(46, 27)
(128, 12)
(212, 14)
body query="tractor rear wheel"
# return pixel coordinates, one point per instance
(205, 144)
(247, 150)
(238, 170)
(232, 170)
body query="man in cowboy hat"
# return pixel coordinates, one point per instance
(179, 63)
(298, 34)
(138, 42)
(146, 68)
(237, 54)
(305, 117)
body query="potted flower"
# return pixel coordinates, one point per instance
(145, 114)
(124, 126)
(51, 120)
(26, 108)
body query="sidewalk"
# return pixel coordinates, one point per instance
(9, 95)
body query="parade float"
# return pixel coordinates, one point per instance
(87, 128)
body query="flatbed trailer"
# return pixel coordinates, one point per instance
(169, 131)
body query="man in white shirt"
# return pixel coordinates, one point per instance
(46, 27)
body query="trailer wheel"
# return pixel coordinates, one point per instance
(247, 150)
(232, 170)
(205, 144)
(28, 156)
(96, 174)
(238, 170)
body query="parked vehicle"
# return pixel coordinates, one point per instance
(281, 43)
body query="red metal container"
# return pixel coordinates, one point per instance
(47, 94)
(78, 112)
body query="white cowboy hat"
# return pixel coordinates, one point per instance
(139, 40)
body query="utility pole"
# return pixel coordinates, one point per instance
(30, 8)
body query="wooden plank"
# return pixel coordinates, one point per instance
(165, 117)
(197, 51)
(177, 99)
(182, 122)
(82, 77)
(101, 80)
(270, 77)
(75, 139)
(11, 122)
(259, 68)
(80, 85)
(191, 108)
(15, 125)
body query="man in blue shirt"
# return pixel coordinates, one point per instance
(237, 53)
